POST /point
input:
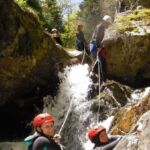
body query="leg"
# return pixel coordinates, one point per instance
(102, 67)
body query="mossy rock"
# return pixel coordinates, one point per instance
(29, 56)
(127, 117)
(127, 48)
(126, 22)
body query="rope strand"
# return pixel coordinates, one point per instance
(99, 79)
(69, 108)
(83, 56)
(67, 114)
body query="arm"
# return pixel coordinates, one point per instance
(99, 35)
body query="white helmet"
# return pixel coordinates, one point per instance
(54, 30)
(107, 19)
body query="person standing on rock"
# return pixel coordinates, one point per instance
(101, 140)
(97, 49)
(80, 39)
(44, 138)
(56, 36)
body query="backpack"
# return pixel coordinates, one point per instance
(31, 145)
(93, 48)
(30, 140)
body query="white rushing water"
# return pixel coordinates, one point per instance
(140, 93)
(74, 90)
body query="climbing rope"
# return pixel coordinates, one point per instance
(84, 52)
(67, 114)
(69, 108)
(99, 81)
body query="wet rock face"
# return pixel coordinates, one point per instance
(140, 138)
(113, 96)
(29, 64)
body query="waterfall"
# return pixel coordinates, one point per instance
(74, 87)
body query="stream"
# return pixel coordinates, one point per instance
(73, 95)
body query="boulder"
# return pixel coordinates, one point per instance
(139, 139)
(125, 120)
(113, 96)
(127, 46)
(29, 64)
(29, 57)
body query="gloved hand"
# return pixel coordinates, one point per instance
(57, 138)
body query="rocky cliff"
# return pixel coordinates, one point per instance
(29, 63)
(139, 139)
(29, 58)
(127, 46)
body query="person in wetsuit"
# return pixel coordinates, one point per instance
(102, 141)
(44, 138)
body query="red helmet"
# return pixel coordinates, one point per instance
(95, 131)
(42, 118)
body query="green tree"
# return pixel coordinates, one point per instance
(66, 7)
(48, 11)
(52, 12)
(90, 15)
(69, 34)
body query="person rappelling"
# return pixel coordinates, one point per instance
(97, 48)
(101, 140)
(44, 137)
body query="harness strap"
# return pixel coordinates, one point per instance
(101, 51)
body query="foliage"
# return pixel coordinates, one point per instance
(69, 34)
(21, 3)
(90, 16)
(48, 11)
(66, 7)
(52, 12)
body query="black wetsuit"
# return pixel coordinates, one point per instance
(110, 145)
(43, 143)
(80, 42)
(40, 142)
